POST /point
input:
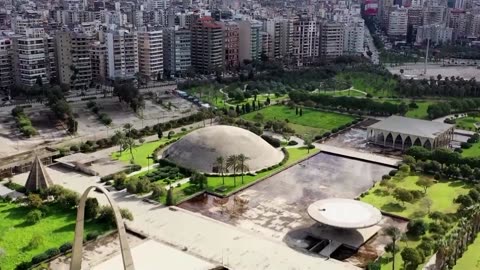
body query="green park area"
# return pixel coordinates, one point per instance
(421, 111)
(371, 83)
(471, 258)
(467, 123)
(141, 152)
(21, 241)
(473, 151)
(344, 93)
(228, 184)
(430, 202)
(311, 122)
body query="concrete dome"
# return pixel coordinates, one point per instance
(200, 148)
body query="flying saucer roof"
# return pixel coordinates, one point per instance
(344, 213)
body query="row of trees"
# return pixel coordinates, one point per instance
(353, 104)
(23, 122)
(235, 163)
(127, 92)
(440, 109)
(443, 160)
(448, 86)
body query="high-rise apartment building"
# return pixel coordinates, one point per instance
(207, 46)
(177, 52)
(28, 20)
(150, 52)
(231, 40)
(122, 54)
(331, 39)
(250, 40)
(98, 58)
(33, 57)
(6, 75)
(305, 40)
(280, 30)
(73, 59)
(354, 36)
(397, 23)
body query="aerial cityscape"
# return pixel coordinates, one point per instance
(240, 134)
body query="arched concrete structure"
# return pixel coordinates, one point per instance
(401, 133)
(76, 263)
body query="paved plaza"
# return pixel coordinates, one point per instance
(416, 71)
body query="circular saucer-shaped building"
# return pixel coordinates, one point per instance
(199, 149)
(344, 213)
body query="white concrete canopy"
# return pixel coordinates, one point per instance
(344, 213)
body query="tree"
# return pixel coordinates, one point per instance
(425, 183)
(170, 134)
(34, 201)
(426, 203)
(242, 164)
(232, 163)
(119, 139)
(91, 208)
(33, 217)
(159, 133)
(308, 141)
(411, 257)
(35, 242)
(402, 195)
(220, 165)
(170, 200)
(395, 234)
(416, 228)
(129, 143)
(199, 180)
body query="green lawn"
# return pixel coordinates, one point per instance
(466, 123)
(141, 152)
(473, 151)
(442, 195)
(295, 154)
(343, 93)
(421, 111)
(373, 84)
(312, 121)
(56, 229)
(471, 258)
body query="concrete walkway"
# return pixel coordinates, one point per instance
(392, 162)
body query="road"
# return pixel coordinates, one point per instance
(371, 46)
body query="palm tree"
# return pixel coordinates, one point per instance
(129, 143)
(395, 234)
(127, 128)
(119, 139)
(232, 163)
(242, 159)
(220, 163)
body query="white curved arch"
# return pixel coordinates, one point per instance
(76, 263)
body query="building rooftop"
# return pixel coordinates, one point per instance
(410, 126)
(344, 213)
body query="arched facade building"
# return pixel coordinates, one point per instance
(402, 133)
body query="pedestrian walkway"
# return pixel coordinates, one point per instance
(387, 161)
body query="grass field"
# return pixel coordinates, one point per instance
(441, 194)
(311, 122)
(344, 93)
(141, 152)
(295, 154)
(466, 123)
(56, 229)
(373, 84)
(473, 151)
(420, 112)
(471, 258)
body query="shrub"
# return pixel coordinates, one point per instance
(404, 168)
(327, 134)
(23, 266)
(74, 148)
(292, 143)
(52, 252)
(416, 228)
(272, 141)
(417, 194)
(335, 130)
(34, 201)
(392, 173)
(65, 247)
(91, 208)
(33, 217)
(465, 145)
(35, 242)
(386, 177)
(39, 258)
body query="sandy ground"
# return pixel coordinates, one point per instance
(412, 70)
